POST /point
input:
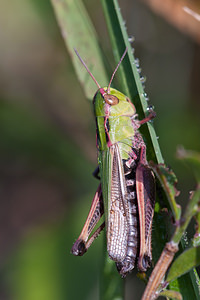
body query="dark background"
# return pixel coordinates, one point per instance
(47, 138)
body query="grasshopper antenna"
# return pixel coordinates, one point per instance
(108, 89)
(82, 61)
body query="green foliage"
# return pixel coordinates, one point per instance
(168, 181)
(189, 259)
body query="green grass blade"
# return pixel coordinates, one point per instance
(171, 295)
(78, 32)
(131, 84)
(168, 182)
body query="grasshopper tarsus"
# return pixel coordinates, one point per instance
(96, 211)
(150, 117)
(78, 248)
(144, 263)
(125, 269)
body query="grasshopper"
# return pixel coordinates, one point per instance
(126, 193)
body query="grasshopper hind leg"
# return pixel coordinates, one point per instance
(145, 187)
(82, 244)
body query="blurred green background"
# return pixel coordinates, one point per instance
(48, 150)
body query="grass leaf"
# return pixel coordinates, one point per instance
(131, 84)
(187, 260)
(78, 32)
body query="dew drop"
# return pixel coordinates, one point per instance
(146, 96)
(150, 107)
(137, 62)
(131, 39)
(143, 79)
(185, 238)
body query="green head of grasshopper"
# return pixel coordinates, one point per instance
(112, 103)
(113, 111)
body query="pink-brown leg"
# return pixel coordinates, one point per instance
(96, 211)
(151, 116)
(145, 188)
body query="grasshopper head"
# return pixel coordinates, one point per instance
(113, 104)
(108, 101)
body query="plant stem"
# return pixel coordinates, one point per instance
(170, 249)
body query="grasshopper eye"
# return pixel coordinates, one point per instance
(111, 99)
